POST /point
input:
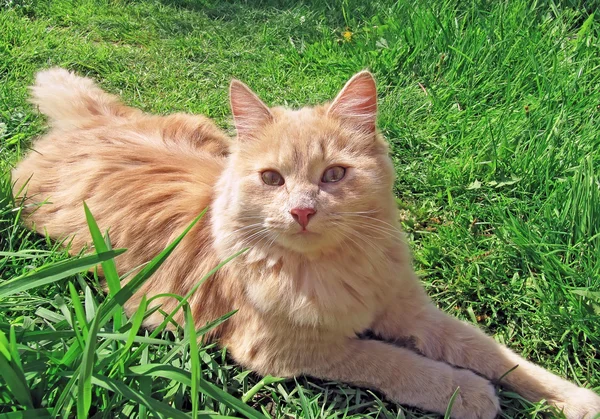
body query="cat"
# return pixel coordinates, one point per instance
(309, 192)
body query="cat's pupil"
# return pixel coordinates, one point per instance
(272, 178)
(334, 174)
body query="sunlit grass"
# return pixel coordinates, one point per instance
(492, 113)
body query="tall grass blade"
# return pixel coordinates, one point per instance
(125, 293)
(27, 414)
(109, 269)
(448, 413)
(84, 385)
(54, 272)
(131, 394)
(190, 333)
(209, 389)
(12, 373)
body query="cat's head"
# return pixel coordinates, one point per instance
(307, 179)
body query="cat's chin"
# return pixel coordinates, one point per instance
(306, 234)
(308, 242)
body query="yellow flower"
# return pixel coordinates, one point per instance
(347, 35)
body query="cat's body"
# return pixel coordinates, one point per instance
(309, 192)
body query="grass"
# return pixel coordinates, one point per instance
(492, 110)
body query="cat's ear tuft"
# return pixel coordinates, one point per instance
(356, 104)
(249, 112)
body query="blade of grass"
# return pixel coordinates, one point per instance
(27, 414)
(145, 383)
(200, 332)
(190, 334)
(130, 394)
(269, 379)
(103, 314)
(209, 389)
(90, 305)
(12, 373)
(165, 322)
(79, 311)
(43, 335)
(109, 268)
(448, 413)
(55, 272)
(72, 320)
(125, 293)
(84, 385)
(304, 402)
(136, 323)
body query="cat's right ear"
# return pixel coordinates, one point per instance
(249, 112)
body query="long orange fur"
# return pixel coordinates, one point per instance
(302, 297)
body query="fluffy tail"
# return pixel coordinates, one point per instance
(71, 101)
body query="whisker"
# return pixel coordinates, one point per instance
(258, 233)
(262, 238)
(251, 217)
(360, 236)
(377, 220)
(358, 212)
(373, 228)
(251, 227)
(370, 242)
(248, 226)
(343, 233)
(368, 255)
(272, 241)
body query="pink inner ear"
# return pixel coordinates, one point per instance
(356, 104)
(249, 112)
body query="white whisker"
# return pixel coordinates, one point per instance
(376, 220)
(358, 212)
(361, 236)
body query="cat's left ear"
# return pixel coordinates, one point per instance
(249, 112)
(356, 104)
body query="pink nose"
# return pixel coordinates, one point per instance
(302, 215)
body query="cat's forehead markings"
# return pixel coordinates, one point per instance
(302, 112)
(301, 118)
(303, 126)
(304, 136)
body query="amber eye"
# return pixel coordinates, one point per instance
(272, 178)
(333, 174)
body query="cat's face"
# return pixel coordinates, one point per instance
(312, 178)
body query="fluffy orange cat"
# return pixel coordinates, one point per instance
(309, 191)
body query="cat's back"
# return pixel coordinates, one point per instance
(144, 177)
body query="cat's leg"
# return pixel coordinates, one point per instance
(409, 378)
(445, 338)
(402, 375)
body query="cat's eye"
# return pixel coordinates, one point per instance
(272, 178)
(333, 174)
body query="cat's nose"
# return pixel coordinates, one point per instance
(302, 215)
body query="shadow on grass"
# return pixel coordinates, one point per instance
(343, 12)
(337, 13)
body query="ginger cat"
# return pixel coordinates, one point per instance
(309, 191)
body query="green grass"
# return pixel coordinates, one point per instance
(492, 110)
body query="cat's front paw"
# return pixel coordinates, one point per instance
(579, 403)
(476, 397)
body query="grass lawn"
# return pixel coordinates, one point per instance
(492, 110)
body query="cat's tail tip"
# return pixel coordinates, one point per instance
(69, 100)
